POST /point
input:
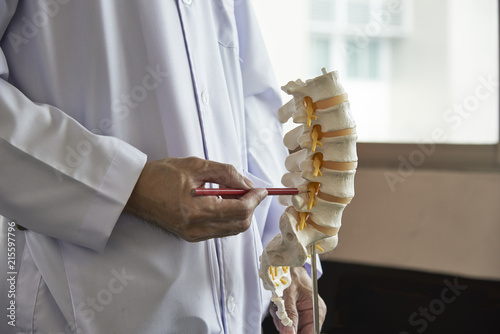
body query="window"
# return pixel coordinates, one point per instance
(364, 64)
(416, 71)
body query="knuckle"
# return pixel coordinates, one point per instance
(247, 211)
(191, 235)
(230, 171)
(245, 224)
(193, 218)
(193, 162)
(186, 212)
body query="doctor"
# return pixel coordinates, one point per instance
(111, 111)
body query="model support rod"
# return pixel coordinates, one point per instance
(314, 272)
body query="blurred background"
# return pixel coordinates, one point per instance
(419, 249)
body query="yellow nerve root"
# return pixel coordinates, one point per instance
(316, 135)
(317, 163)
(308, 102)
(313, 189)
(319, 248)
(273, 271)
(302, 223)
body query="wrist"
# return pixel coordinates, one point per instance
(133, 204)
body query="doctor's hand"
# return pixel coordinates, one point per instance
(299, 305)
(162, 196)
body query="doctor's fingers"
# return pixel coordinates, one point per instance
(204, 171)
(232, 209)
(210, 217)
(214, 229)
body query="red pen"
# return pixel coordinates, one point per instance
(239, 192)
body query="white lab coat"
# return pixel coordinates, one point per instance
(88, 91)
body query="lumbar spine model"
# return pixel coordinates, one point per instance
(322, 167)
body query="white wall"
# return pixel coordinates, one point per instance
(454, 43)
(284, 28)
(420, 73)
(471, 60)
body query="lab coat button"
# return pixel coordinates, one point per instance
(231, 304)
(205, 97)
(187, 2)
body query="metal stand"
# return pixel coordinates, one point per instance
(314, 273)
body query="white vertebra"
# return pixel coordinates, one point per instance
(312, 217)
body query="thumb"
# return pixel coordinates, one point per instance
(291, 310)
(287, 329)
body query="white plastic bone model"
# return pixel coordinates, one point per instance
(322, 167)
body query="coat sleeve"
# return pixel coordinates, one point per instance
(266, 152)
(56, 177)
